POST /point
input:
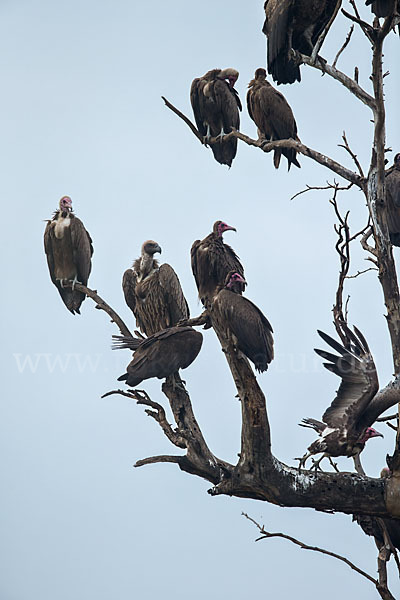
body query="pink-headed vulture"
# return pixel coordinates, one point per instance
(273, 116)
(347, 423)
(161, 354)
(247, 327)
(153, 292)
(212, 260)
(297, 25)
(69, 250)
(216, 105)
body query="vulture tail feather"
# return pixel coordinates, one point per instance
(125, 341)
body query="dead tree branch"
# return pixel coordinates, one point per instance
(329, 186)
(101, 305)
(345, 44)
(382, 588)
(269, 146)
(353, 156)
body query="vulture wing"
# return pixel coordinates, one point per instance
(129, 280)
(174, 298)
(163, 354)
(196, 100)
(359, 383)
(392, 183)
(276, 28)
(82, 249)
(49, 251)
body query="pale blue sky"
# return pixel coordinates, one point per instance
(81, 114)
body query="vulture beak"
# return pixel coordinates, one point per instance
(229, 228)
(158, 249)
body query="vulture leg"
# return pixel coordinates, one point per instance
(316, 463)
(357, 464)
(177, 382)
(61, 282)
(74, 281)
(303, 460)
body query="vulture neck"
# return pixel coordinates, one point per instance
(147, 266)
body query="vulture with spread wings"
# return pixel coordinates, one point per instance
(249, 330)
(297, 25)
(212, 260)
(273, 116)
(347, 423)
(216, 105)
(69, 250)
(153, 292)
(392, 194)
(161, 354)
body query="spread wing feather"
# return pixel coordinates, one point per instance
(359, 383)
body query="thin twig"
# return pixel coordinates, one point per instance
(353, 156)
(388, 418)
(101, 305)
(163, 458)
(361, 272)
(266, 534)
(185, 119)
(158, 414)
(346, 42)
(329, 186)
(366, 27)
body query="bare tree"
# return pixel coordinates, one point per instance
(258, 474)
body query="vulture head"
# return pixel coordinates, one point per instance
(397, 161)
(235, 282)
(385, 473)
(231, 75)
(219, 228)
(370, 432)
(150, 247)
(65, 204)
(260, 74)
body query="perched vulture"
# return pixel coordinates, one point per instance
(216, 106)
(69, 249)
(212, 260)
(273, 116)
(161, 354)
(297, 25)
(347, 422)
(153, 292)
(392, 188)
(249, 329)
(382, 8)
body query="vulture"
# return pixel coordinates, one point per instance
(153, 292)
(273, 116)
(297, 25)
(382, 8)
(216, 105)
(212, 260)
(69, 250)
(392, 191)
(347, 423)
(249, 330)
(161, 354)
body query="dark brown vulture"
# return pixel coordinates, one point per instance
(212, 260)
(154, 293)
(69, 249)
(249, 330)
(347, 422)
(216, 106)
(297, 25)
(382, 8)
(273, 116)
(161, 354)
(392, 192)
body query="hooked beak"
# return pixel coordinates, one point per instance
(158, 249)
(229, 228)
